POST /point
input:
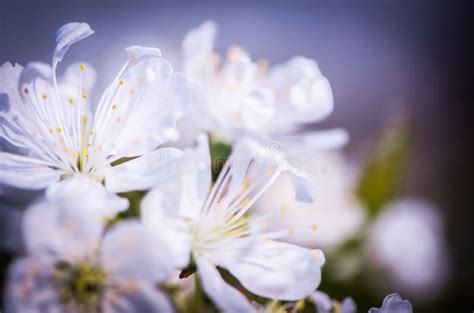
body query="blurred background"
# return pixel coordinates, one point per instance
(387, 61)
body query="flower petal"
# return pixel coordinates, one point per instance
(224, 296)
(26, 172)
(139, 110)
(302, 92)
(393, 303)
(30, 287)
(159, 215)
(66, 232)
(195, 178)
(198, 46)
(68, 35)
(143, 172)
(128, 244)
(137, 296)
(278, 270)
(83, 191)
(10, 98)
(311, 142)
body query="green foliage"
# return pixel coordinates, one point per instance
(220, 151)
(384, 171)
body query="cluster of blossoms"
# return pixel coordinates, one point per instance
(150, 132)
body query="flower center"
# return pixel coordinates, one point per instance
(82, 284)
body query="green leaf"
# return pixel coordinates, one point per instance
(385, 170)
(220, 151)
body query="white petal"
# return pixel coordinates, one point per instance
(136, 296)
(279, 270)
(136, 53)
(159, 215)
(393, 303)
(83, 191)
(224, 296)
(143, 172)
(257, 108)
(25, 172)
(311, 142)
(68, 35)
(10, 97)
(266, 162)
(195, 178)
(30, 287)
(139, 110)
(302, 92)
(198, 45)
(129, 251)
(67, 232)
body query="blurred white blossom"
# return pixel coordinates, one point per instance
(407, 241)
(71, 268)
(235, 95)
(336, 212)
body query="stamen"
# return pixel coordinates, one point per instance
(71, 101)
(82, 67)
(59, 130)
(120, 82)
(84, 95)
(44, 96)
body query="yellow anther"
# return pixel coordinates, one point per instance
(245, 201)
(44, 96)
(50, 131)
(84, 95)
(291, 232)
(59, 130)
(299, 306)
(234, 53)
(120, 82)
(314, 227)
(245, 185)
(91, 133)
(71, 101)
(82, 67)
(114, 106)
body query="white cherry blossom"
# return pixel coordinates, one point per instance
(71, 267)
(66, 142)
(215, 227)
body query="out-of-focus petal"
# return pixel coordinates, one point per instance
(136, 296)
(279, 270)
(312, 142)
(159, 215)
(26, 172)
(198, 46)
(143, 172)
(393, 303)
(84, 192)
(257, 108)
(130, 251)
(224, 296)
(66, 232)
(30, 288)
(302, 92)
